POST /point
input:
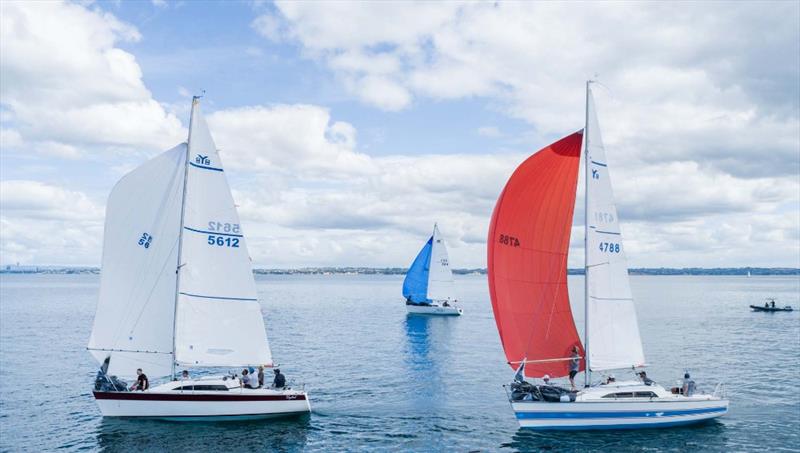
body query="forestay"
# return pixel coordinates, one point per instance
(134, 319)
(219, 321)
(614, 340)
(440, 278)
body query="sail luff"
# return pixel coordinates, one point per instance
(180, 232)
(588, 371)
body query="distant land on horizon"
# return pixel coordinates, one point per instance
(17, 269)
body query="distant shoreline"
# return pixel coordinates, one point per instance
(742, 271)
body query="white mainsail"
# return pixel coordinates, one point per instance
(219, 321)
(613, 331)
(134, 320)
(150, 316)
(440, 277)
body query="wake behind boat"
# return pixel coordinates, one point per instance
(428, 286)
(177, 288)
(528, 245)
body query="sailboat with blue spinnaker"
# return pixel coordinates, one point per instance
(428, 287)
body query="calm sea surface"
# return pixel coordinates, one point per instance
(380, 380)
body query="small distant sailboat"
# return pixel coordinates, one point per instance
(177, 288)
(428, 286)
(527, 265)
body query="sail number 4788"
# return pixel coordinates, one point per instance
(223, 241)
(610, 247)
(509, 240)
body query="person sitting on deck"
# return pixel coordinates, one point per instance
(249, 380)
(610, 379)
(766, 304)
(546, 379)
(142, 383)
(688, 385)
(772, 302)
(260, 376)
(645, 379)
(445, 304)
(185, 375)
(280, 380)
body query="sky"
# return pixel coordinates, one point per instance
(348, 129)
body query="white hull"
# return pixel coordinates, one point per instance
(187, 405)
(434, 310)
(589, 412)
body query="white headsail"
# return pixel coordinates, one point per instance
(614, 340)
(219, 321)
(134, 320)
(440, 277)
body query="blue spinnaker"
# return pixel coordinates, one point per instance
(415, 286)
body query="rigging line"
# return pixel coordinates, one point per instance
(127, 350)
(560, 359)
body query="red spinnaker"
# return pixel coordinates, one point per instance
(527, 263)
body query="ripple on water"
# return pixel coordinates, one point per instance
(383, 381)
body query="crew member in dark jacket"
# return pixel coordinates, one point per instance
(280, 380)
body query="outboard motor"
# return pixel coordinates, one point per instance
(105, 383)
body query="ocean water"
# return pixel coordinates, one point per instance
(380, 380)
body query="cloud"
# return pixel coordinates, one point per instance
(293, 140)
(706, 82)
(65, 84)
(47, 224)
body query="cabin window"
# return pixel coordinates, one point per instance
(203, 387)
(645, 395)
(619, 395)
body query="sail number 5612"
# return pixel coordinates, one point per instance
(508, 240)
(223, 241)
(609, 247)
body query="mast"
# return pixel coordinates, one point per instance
(587, 372)
(195, 102)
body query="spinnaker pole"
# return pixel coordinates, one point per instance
(587, 372)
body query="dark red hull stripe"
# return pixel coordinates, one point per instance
(141, 396)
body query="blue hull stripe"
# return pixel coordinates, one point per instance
(216, 233)
(620, 414)
(216, 297)
(600, 164)
(205, 168)
(665, 424)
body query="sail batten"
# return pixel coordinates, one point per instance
(527, 259)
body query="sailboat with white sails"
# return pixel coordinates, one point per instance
(428, 286)
(527, 265)
(177, 289)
